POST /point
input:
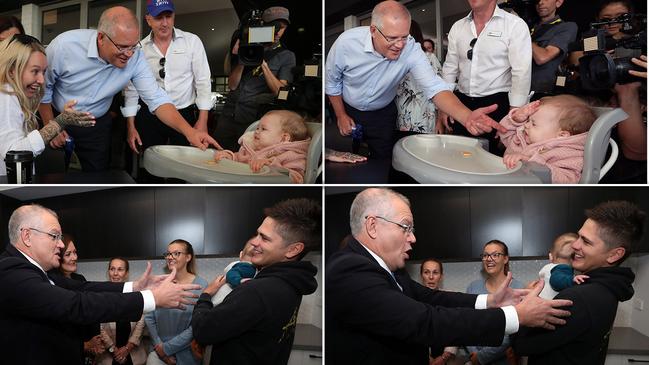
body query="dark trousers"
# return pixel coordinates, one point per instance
(154, 132)
(92, 144)
(474, 103)
(378, 128)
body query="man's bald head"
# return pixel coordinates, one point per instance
(391, 10)
(115, 17)
(26, 216)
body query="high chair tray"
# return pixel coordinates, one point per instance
(433, 158)
(196, 166)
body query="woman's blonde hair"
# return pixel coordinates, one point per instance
(14, 56)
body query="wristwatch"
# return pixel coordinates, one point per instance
(111, 349)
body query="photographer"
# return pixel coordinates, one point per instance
(251, 86)
(550, 40)
(630, 134)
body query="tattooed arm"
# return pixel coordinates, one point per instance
(69, 117)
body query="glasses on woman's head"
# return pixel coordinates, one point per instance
(174, 254)
(469, 53)
(162, 62)
(122, 49)
(493, 256)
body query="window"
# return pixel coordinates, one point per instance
(57, 21)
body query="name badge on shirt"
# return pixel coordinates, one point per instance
(178, 51)
(494, 34)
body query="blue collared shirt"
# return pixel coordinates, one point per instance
(367, 80)
(75, 71)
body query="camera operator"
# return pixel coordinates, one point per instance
(550, 40)
(630, 134)
(251, 86)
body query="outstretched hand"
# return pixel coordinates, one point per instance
(169, 294)
(202, 140)
(505, 295)
(148, 281)
(72, 117)
(537, 312)
(479, 122)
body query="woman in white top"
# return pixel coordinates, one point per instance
(22, 74)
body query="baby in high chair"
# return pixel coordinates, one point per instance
(281, 139)
(552, 132)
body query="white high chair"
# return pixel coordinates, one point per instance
(198, 167)
(431, 158)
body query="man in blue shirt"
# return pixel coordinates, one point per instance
(364, 66)
(91, 67)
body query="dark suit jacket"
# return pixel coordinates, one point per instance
(369, 320)
(40, 323)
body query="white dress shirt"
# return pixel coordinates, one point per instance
(187, 72)
(502, 57)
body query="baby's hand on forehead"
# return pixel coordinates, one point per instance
(523, 113)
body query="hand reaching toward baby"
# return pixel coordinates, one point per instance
(523, 113)
(511, 159)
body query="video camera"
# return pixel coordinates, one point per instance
(254, 35)
(597, 68)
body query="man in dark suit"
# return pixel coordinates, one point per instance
(375, 314)
(605, 240)
(40, 320)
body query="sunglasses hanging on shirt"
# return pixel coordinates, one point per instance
(469, 53)
(162, 70)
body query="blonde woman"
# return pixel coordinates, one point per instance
(22, 74)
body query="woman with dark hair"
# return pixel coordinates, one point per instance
(416, 113)
(170, 329)
(428, 45)
(10, 25)
(68, 260)
(68, 267)
(495, 266)
(431, 272)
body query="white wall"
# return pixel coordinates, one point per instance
(209, 268)
(458, 275)
(640, 319)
